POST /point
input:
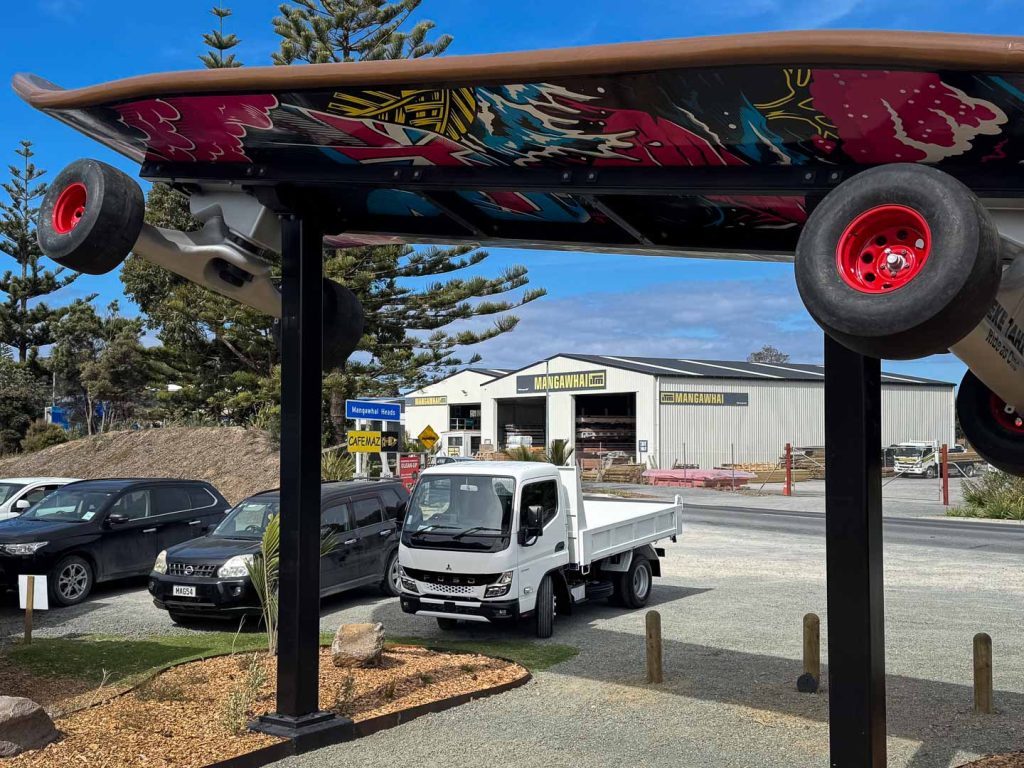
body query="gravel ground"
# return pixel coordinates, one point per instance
(731, 603)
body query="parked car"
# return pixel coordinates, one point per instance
(208, 577)
(442, 459)
(96, 530)
(19, 493)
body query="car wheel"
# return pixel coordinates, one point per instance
(635, 584)
(71, 581)
(447, 625)
(544, 614)
(392, 583)
(900, 261)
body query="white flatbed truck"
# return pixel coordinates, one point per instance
(501, 541)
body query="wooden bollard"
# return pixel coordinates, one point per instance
(654, 672)
(809, 681)
(30, 601)
(983, 674)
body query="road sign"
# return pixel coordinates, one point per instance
(361, 441)
(367, 409)
(429, 437)
(643, 446)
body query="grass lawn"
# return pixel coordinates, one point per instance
(118, 660)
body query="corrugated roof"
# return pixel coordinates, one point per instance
(733, 369)
(492, 372)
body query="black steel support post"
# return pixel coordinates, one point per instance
(853, 533)
(298, 714)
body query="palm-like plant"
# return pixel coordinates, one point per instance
(264, 570)
(560, 453)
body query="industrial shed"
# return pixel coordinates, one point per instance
(698, 412)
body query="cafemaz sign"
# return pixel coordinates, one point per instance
(561, 382)
(705, 398)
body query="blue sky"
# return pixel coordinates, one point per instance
(596, 303)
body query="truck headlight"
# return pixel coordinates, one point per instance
(407, 584)
(501, 587)
(160, 566)
(235, 568)
(24, 549)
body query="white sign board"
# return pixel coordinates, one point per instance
(40, 594)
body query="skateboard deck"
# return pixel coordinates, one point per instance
(689, 145)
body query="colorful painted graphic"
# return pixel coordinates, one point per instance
(735, 117)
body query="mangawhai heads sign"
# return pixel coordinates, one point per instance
(705, 398)
(561, 382)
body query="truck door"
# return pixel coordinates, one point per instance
(548, 551)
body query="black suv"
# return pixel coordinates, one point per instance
(96, 530)
(208, 577)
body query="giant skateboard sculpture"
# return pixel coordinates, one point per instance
(887, 166)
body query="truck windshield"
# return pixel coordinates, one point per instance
(460, 512)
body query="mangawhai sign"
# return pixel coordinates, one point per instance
(561, 382)
(705, 398)
(427, 400)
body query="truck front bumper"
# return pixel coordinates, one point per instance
(464, 610)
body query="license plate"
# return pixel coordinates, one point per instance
(180, 591)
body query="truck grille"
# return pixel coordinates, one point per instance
(203, 570)
(446, 589)
(446, 578)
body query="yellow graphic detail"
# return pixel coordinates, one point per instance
(449, 112)
(797, 104)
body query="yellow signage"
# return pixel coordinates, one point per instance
(704, 398)
(427, 400)
(371, 442)
(560, 382)
(429, 437)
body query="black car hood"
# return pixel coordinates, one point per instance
(212, 549)
(18, 530)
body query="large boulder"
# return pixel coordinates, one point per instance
(23, 725)
(358, 645)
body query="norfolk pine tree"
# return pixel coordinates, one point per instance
(25, 324)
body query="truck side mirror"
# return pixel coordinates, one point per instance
(532, 524)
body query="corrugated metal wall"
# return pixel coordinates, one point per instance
(781, 412)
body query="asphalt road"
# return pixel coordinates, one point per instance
(980, 535)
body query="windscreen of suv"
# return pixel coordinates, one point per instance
(9, 489)
(460, 511)
(248, 520)
(70, 505)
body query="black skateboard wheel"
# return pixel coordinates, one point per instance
(994, 429)
(901, 261)
(343, 325)
(90, 217)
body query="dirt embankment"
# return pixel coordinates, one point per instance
(238, 461)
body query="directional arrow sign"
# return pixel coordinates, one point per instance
(429, 437)
(389, 441)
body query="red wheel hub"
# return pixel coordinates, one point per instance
(1005, 416)
(69, 208)
(883, 249)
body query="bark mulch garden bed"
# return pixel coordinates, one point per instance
(1009, 760)
(196, 714)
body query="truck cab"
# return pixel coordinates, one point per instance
(495, 541)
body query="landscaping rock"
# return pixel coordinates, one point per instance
(24, 725)
(358, 645)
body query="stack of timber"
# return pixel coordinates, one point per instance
(811, 459)
(770, 473)
(698, 478)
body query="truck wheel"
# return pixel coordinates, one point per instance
(447, 625)
(90, 217)
(635, 583)
(343, 325)
(995, 429)
(544, 615)
(70, 581)
(901, 261)
(930, 473)
(970, 470)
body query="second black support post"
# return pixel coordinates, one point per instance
(853, 533)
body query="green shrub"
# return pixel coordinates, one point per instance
(42, 435)
(335, 465)
(994, 495)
